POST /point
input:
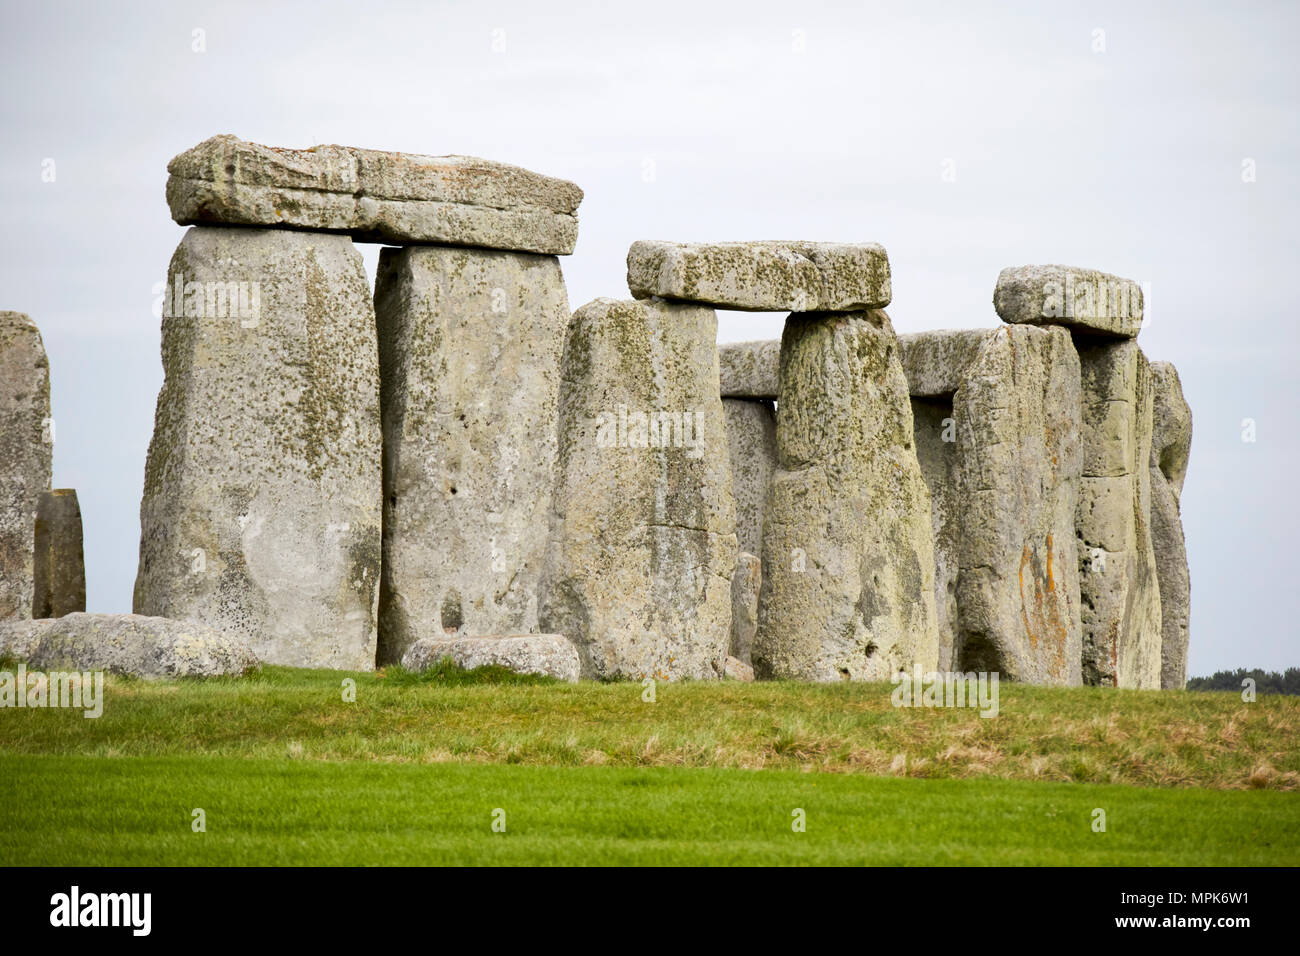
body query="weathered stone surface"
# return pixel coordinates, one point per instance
(127, 644)
(374, 196)
(261, 511)
(751, 445)
(745, 586)
(1018, 436)
(731, 668)
(848, 558)
(749, 369)
(935, 433)
(60, 560)
(1081, 299)
(643, 542)
(762, 276)
(935, 361)
(1170, 447)
(550, 654)
(26, 449)
(1171, 426)
(1120, 596)
(1001, 455)
(469, 349)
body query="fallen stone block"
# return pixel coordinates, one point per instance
(374, 196)
(751, 446)
(762, 276)
(643, 541)
(261, 510)
(731, 668)
(469, 353)
(60, 558)
(552, 655)
(1084, 300)
(848, 557)
(749, 369)
(26, 457)
(1171, 441)
(127, 644)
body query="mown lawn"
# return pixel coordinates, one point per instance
(71, 810)
(1083, 735)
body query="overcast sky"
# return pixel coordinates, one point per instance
(964, 137)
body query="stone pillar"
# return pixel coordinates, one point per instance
(745, 587)
(1018, 439)
(1118, 585)
(261, 510)
(751, 445)
(848, 559)
(642, 543)
(1171, 444)
(469, 353)
(60, 559)
(26, 457)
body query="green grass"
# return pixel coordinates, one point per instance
(83, 810)
(1082, 735)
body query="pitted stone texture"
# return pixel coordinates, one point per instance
(749, 369)
(127, 644)
(1081, 299)
(744, 605)
(261, 511)
(60, 559)
(1018, 439)
(26, 450)
(934, 362)
(374, 196)
(1170, 447)
(643, 541)
(552, 655)
(1121, 614)
(751, 444)
(469, 350)
(848, 558)
(762, 276)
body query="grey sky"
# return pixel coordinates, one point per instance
(692, 121)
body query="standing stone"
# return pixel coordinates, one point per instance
(469, 350)
(751, 444)
(935, 363)
(1119, 591)
(848, 559)
(26, 451)
(261, 511)
(1017, 414)
(1171, 442)
(643, 542)
(60, 559)
(745, 587)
